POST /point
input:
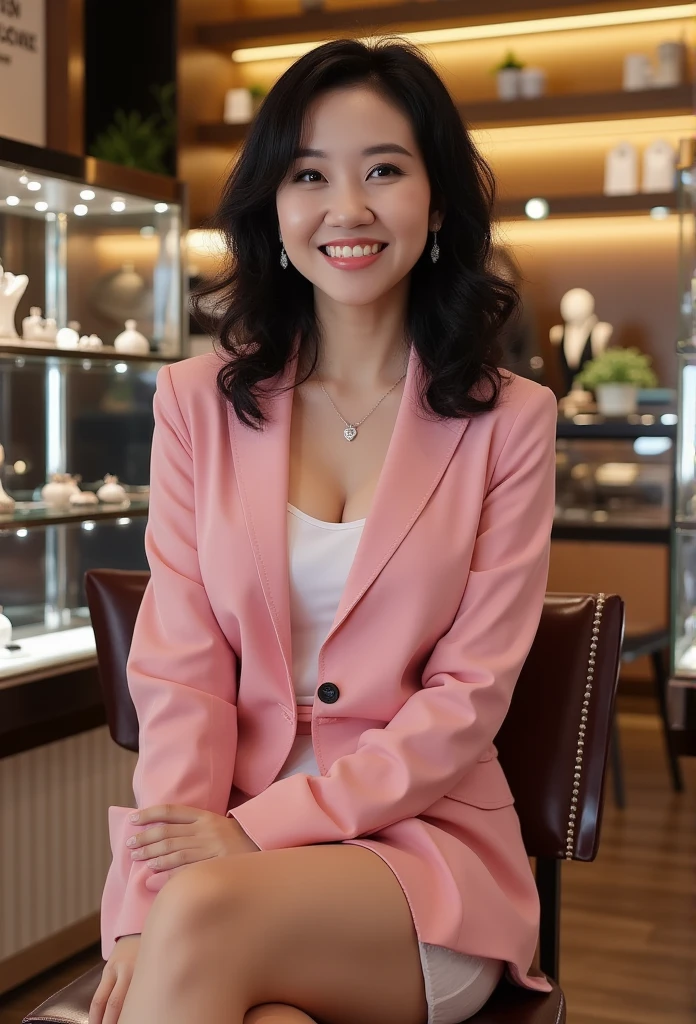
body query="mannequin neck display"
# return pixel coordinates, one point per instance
(12, 288)
(581, 336)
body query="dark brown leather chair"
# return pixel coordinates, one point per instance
(553, 746)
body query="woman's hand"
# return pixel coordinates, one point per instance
(108, 1000)
(184, 835)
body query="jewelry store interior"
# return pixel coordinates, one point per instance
(108, 182)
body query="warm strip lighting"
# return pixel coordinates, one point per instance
(465, 33)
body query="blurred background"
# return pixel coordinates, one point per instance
(118, 128)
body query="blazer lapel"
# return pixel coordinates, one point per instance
(262, 462)
(419, 452)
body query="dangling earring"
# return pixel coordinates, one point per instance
(435, 251)
(283, 254)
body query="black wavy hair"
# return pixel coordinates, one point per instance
(456, 308)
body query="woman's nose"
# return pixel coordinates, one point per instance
(348, 208)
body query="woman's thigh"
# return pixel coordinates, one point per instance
(324, 928)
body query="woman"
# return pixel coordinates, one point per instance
(349, 534)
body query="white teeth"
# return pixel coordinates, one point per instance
(342, 252)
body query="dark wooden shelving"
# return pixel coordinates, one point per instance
(599, 106)
(391, 17)
(588, 206)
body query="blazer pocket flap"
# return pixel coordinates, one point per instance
(484, 785)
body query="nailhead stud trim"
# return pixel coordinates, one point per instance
(582, 729)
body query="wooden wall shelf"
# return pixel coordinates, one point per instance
(597, 106)
(589, 206)
(394, 17)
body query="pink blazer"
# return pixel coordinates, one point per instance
(438, 614)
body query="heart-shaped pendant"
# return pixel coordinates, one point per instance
(350, 432)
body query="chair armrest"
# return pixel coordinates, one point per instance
(71, 1004)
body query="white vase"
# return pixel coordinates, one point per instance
(132, 341)
(33, 325)
(616, 399)
(508, 80)
(111, 492)
(68, 337)
(532, 83)
(58, 490)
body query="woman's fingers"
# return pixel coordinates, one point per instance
(100, 1000)
(158, 833)
(117, 996)
(175, 854)
(177, 814)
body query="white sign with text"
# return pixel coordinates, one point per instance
(23, 70)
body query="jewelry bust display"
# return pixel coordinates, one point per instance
(581, 336)
(12, 288)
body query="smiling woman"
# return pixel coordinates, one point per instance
(359, 145)
(332, 632)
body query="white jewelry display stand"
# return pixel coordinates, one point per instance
(580, 323)
(12, 288)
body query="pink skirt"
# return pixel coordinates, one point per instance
(456, 985)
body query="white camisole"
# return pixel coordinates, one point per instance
(320, 555)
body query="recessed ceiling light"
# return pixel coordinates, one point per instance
(23, 179)
(12, 200)
(537, 209)
(147, 231)
(41, 206)
(121, 367)
(659, 212)
(161, 207)
(118, 206)
(87, 193)
(33, 186)
(80, 210)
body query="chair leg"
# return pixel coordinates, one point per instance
(548, 880)
(617, 775)
(661, 686)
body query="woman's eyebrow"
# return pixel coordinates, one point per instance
(383, 147)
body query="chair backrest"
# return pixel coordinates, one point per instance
(114, 597)
(555, 739)
(554, 742)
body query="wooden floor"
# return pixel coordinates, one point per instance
(628, 953)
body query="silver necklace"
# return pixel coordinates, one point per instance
(351, 431)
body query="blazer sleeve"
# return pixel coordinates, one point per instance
(181, 674)
(441, 731)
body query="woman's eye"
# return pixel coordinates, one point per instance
(385, 170)
(308, 175)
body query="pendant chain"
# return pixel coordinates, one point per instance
(351, 431)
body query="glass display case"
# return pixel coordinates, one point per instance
(683, 590)
(614, 476)
(95, 244)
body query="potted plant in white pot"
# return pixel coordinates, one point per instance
(508, 77)
(615, 378)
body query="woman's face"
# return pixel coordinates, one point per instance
(358, 184)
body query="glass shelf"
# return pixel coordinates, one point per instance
(28, 515)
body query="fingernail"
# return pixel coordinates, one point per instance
(134, 817)
(131, 841)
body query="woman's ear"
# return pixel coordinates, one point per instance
(436, 220)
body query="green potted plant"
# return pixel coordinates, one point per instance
(508, 77)
(615, 378)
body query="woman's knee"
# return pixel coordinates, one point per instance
(196, 900)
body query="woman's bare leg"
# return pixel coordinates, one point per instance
(326, 929)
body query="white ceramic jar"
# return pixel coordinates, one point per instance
(132, 341)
